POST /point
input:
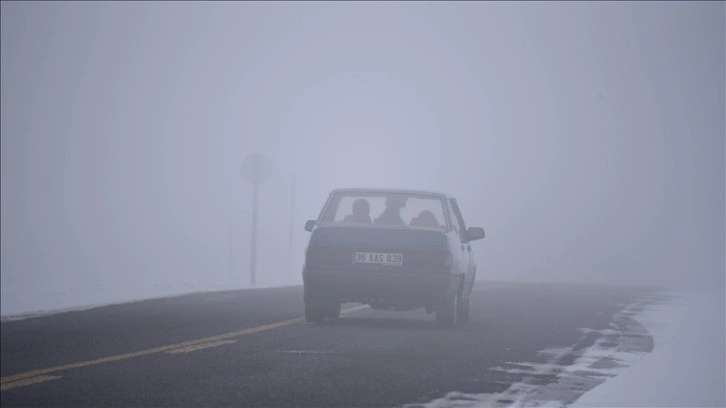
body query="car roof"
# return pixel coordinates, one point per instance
(389, 190)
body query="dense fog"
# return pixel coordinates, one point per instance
(586, 138)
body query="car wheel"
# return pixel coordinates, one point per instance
(446, 314)
(332, 310)
(314, 308)
(314, 313)
(462, 314)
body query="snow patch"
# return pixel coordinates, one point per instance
(613, 350)
(686, 367)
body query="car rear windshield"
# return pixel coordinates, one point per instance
(398, 209)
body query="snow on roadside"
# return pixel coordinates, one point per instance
(666, 350)
(686, 367)
(596, 357)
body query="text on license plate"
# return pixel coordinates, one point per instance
(377, 258)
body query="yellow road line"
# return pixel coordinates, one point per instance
(161, 349)
(27, 381)
(202, 346)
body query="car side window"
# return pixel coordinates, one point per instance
(459, 218)
(454, 222)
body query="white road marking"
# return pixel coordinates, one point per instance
(307, 351)
(202, 346)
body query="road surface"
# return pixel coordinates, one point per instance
(252, 348)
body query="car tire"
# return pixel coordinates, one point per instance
(314, 307)
(447, 312)
(462, 314)
(314, 313)
(332, 310)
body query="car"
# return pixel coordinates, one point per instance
(392, 250)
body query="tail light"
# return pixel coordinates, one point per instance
(328, 256)
(428, 259)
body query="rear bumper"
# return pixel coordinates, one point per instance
(414, 289)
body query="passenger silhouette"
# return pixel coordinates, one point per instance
(361, 212)
(392, 214)
(425, 219)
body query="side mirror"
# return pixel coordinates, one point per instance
(309, 224)
(474, 233)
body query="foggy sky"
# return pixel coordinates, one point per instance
(586, 138)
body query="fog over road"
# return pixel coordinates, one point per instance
(251, 348)
(587, 138)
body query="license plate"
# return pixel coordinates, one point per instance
(377, 258)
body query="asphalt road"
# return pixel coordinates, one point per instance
(252, 348)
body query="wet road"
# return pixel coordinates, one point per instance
(252, 348)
